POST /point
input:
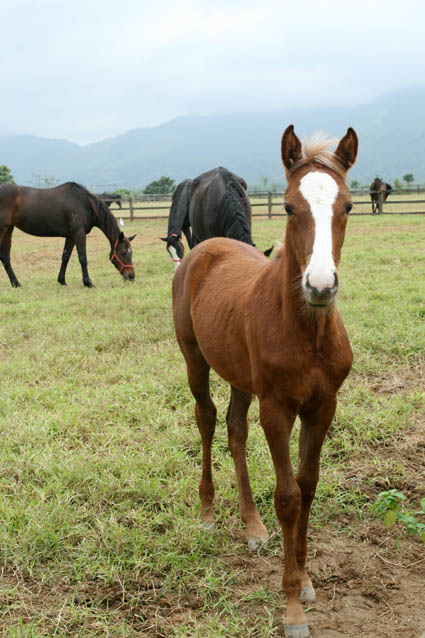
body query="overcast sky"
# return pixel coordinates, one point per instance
(84, 71)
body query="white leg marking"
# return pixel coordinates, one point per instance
(174, 257)
(320, 191)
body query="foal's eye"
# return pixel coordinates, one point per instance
(348, 208)
(289, 209)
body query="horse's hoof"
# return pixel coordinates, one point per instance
(208, 526)
(296, 631)
(308, 595)
(256, 542)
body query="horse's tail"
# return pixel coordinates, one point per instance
(234, 212)
(179, 211)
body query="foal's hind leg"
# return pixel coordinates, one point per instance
(5, 244)
(67, 250)
(237, 429)
(205, 411)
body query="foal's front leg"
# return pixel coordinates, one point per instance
(315, 423)
(277, 421)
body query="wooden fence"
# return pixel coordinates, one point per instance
(272, 203)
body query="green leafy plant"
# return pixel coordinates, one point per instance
(391, 507)
(6, 176)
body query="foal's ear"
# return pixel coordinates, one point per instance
(163, 238)
(121, 236)
(347, 149)
(132, 237)
(291, 148)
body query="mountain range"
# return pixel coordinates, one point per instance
(391, 131)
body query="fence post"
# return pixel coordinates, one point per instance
(380, 202)
(269, 204)
(130, 203)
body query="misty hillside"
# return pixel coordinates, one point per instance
(391, 130)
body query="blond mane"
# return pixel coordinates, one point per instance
(318, 150)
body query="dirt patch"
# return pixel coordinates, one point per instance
(401, 380)
(365, 586)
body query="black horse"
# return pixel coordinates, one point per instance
(69, 211)
(378, 186)
(215, 204)
(110, 198)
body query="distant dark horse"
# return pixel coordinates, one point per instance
(378, 186)
(69, 211)
(110, 198)
(215, 204)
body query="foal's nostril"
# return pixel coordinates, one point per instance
(322, 289)
(321, 295)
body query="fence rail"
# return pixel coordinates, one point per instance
(272, 202)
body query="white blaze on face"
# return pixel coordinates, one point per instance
(174, 257)
(320, 191)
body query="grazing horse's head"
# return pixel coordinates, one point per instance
(121, 256)
(317, 202)
(175, 247)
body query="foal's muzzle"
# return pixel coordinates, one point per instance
(320, 297)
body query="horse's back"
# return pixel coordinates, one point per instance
(47, 212)
(219, 259)
(220, 207)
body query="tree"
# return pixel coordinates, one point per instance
(163, 185)
(354, 184)
(6, 176)
(408, 178)
(44, 181)
(397, 184)
(124, 192)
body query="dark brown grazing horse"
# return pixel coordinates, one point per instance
(378, 186)
(271, 328)
(69, 211)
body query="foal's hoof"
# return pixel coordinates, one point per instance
(308, 595)
(296, 631)
(256, 542)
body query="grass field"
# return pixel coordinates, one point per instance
(100, 457)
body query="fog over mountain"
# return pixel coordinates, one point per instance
(391, 131)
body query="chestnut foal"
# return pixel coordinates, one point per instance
(271, 328)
